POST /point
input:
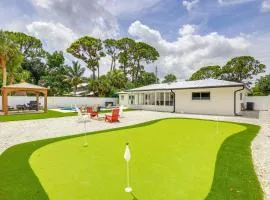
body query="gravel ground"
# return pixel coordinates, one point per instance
(261, 153)
(12, 133)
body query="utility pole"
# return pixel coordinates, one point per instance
(156, 75)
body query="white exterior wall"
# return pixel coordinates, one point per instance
(54, 102)
(152, 107)
(123, 99)
(221, 101)
(260, 102)
(161, 108)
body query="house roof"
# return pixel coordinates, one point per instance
(122, 92)
(207, 83)
(25, 85)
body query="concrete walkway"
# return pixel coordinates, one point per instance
(16, 132)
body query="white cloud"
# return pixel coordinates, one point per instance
(187, 29)
(118, 7)
(83, 16)
(265, 6)
(55, 36)
(43, 3)
(260, 48)
(231, 2)
(190, 51)
(190, 4)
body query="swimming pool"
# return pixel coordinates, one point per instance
(68, 108)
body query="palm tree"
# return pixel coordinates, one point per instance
(75, 75)
(9, 54)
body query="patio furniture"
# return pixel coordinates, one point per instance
(108, 104)
(91, 112)
(121, 111)
(82, 117)
(21, 107)
(26, 88)
(33, 105)
(10, 108)
(114, 116)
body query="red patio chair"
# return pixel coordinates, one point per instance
(91, 112)
(114, 116)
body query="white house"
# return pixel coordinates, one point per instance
(208, 96)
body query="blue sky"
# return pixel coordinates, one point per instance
(188, 33)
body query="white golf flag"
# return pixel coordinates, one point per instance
(127, 155)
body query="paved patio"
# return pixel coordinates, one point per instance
(16, 132)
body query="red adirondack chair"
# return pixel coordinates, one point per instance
(114, 116)
(91, 112)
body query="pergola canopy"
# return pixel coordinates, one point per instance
(23, 87)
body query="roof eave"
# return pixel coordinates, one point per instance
(160, 89)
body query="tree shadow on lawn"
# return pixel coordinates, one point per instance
(234, 177)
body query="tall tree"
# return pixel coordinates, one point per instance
(169, 78)
(100, 87)
(262, 86)
(34, 54)
(117, 78)
(89, 50)
(112, 47)
(56, 75)
(15, 72)
(143, 53)
(9, 55)
(74, 74)
(126, 46)
(242, 69)
(146, 78)
(212, 71)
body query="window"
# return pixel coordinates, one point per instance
(131, 99)
(122, 97)
(161, 95)
(200, 95)
(142, 99)
(157, 98)
(167, 98)
(241, 96)
(196, 95)
(152, 99)
(147, 99)
(205, 96)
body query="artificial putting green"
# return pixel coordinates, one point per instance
(171, 159)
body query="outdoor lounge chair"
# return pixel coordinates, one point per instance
(121, 111)
(91, 112)
(33, 105)
(82, 117)
(21, 107)
(114, 116)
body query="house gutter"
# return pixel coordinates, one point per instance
(234, 108)
(173, 101)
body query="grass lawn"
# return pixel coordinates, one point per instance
(32, 116)
(171, 159)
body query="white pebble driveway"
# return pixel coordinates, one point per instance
(16, 132)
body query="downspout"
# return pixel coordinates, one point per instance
(234, 108)
(173, 101)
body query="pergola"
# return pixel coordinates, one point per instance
(23, 87)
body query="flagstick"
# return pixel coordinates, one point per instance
(128, 189)
(217, 128)
(128, 182)
(85, 141)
